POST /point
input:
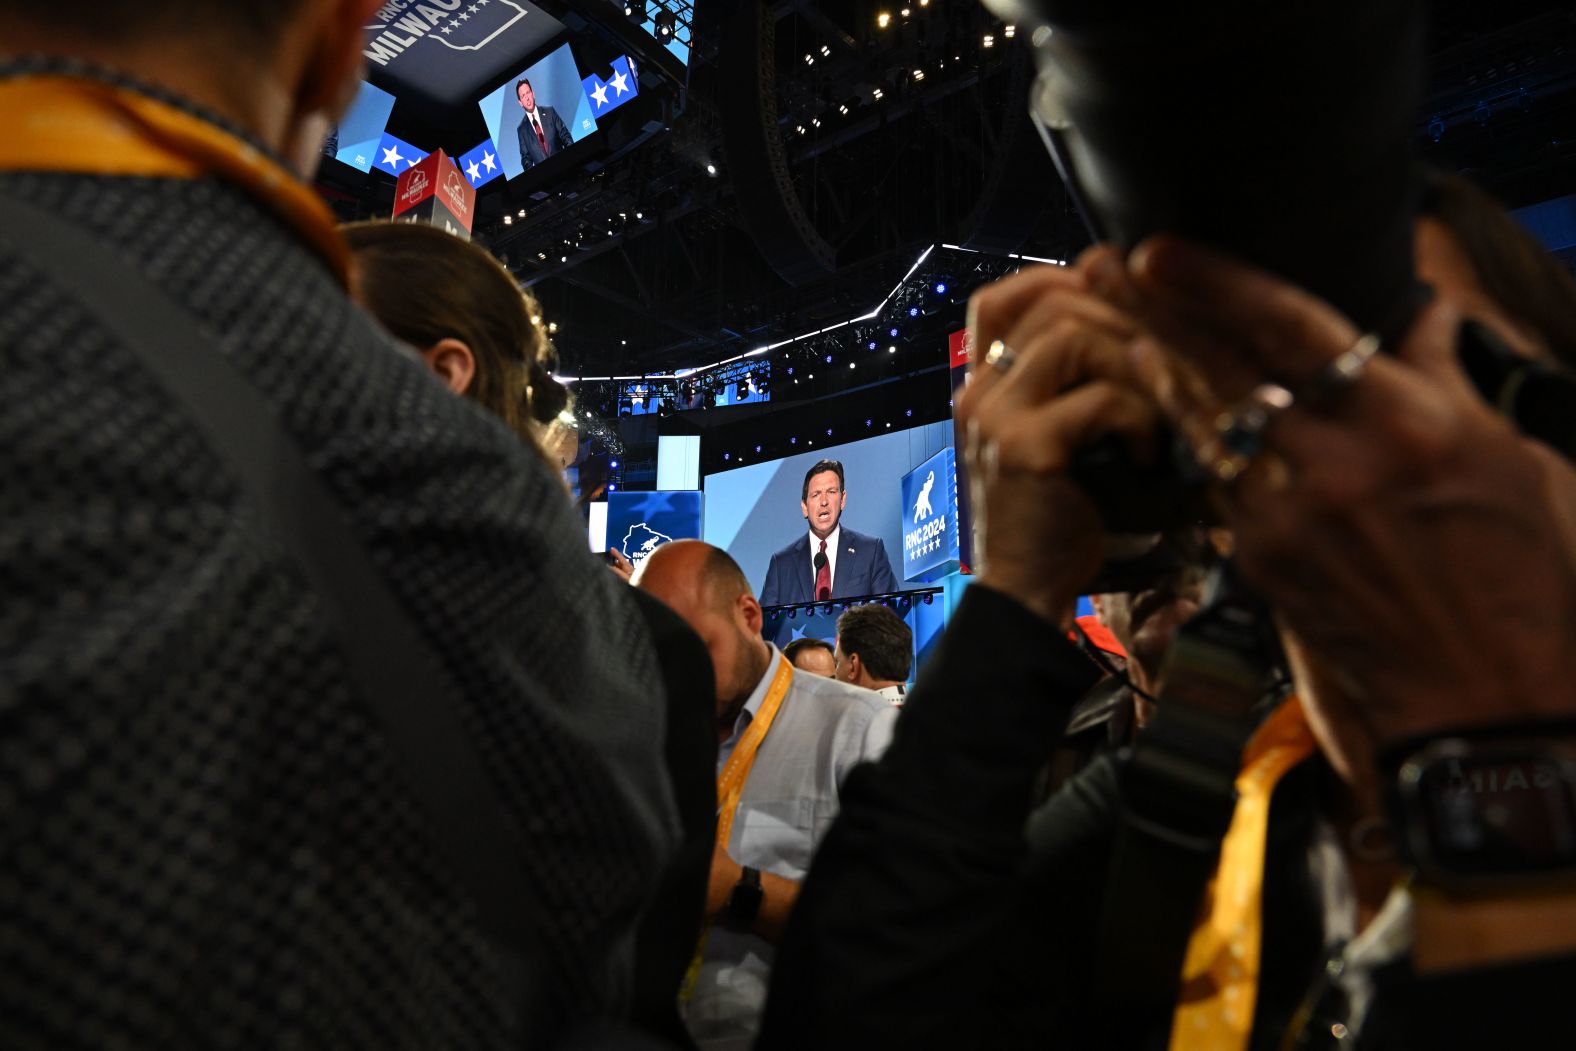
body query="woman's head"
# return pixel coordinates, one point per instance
(478, 330)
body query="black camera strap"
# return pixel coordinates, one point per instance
(1178, 792)
(397, 673)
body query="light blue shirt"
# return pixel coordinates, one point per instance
(822, 730)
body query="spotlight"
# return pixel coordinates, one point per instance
(843, 108)
(552, 326)
(816, 121)
(905, 12)
(793, 614)
(871, 345)
(829, 359)
(883, 20)
(850, 364)
(919, 74)
(891, 350)
(877, 94)
(666, 22)
(508, 220)
(829, 432)
(799, 129)
(711, 169)
(809, 59)
(989, 41)
(892, 332)
(913, 312)
(613, 464)
(930, 598)
(1009, 31)
(941, 288)
(635, 9)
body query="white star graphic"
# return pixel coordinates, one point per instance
(620, 84)
(391, 156)
(487, 158)
(471, 9)
(473, 171)
(481, 3)
(446, 30)
(415, 162)
(600, 94)
(454, 24)
(464, 17)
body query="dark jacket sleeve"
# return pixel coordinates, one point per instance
(882, 579)
(772, 590)
(561, 137)
(666, 938)
(917, 903)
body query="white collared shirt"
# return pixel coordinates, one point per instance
(832, 541)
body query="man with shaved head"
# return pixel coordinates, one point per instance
(787, 739)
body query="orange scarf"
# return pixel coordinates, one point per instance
(67, 124)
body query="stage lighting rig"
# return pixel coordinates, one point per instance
(666, 23)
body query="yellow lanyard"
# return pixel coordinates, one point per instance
(1220, 975)
(68, 124)
(730, 783)
(730, 786)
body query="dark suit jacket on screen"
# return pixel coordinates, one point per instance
(862, 568)
(552, 129)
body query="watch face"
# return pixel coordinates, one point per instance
(1488, 812)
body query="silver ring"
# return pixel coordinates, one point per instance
(1345, 370)
(1239, 431)
(1000, 356)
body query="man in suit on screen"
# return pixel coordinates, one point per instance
(542, 132)
(829, 561)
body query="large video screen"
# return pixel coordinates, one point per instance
(362, 127)
(538, 113)
(757, 512)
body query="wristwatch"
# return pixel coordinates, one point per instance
(1486, 815)
(744, 904)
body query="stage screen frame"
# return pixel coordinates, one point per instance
(754, 510)
(554, 77)
(372, 106)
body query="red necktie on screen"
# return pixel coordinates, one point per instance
(539, 136)
(823, 576)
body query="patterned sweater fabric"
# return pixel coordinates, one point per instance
(204, 842)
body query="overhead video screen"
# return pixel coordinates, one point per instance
(758, 511)
(449, 49)
(538, 113)
(362, 127)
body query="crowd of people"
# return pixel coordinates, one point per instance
(336, 735)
